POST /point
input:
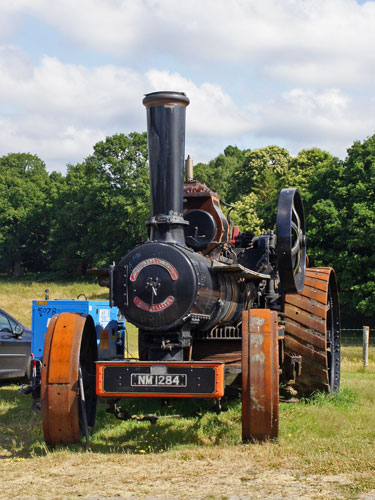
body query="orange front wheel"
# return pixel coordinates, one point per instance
(70, 344)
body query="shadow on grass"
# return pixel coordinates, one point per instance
(198, 423)
(180, 423)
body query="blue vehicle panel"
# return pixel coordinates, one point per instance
(110, 332)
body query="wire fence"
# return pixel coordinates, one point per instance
(354, 337)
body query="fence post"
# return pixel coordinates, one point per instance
(366, 334)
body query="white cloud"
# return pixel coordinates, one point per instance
(68, 89)
(302, 118)
(61, 110)
(330, 102)
(211, 112)
(298, 73)
(320, 42)
(9, 18)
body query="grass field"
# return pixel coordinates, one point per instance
(325, 447)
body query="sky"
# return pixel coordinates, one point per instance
(295, 73)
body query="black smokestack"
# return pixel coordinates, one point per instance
(166, 113)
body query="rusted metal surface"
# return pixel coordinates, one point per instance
(307, 328)
(199, 196)
(260, 375)
(275, 380)
(59, 382)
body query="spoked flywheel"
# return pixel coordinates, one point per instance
(312, 329)
(69, 356)
(291, 241)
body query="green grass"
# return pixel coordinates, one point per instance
(342, 424)
(327, 435)
(322, 435)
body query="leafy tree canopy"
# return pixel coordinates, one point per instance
(357, 237)
(24, 184)
(219, 173)
(103, 205)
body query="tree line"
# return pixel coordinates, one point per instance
(65, 224)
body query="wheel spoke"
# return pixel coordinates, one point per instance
(296, 248)
(295, 213)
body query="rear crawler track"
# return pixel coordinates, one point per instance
(312, 329)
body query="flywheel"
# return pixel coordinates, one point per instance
(312, 329)
(70, 349)
(291, 240)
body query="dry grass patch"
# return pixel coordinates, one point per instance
(205, 474)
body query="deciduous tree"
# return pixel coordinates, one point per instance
(24, 212)
(103, 204)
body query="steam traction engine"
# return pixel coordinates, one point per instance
(216, 310)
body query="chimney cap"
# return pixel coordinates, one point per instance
(166, 97)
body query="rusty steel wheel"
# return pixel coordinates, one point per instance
(312, 329)
(260, 375)
(70, 343)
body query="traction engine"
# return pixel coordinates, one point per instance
(217, 311)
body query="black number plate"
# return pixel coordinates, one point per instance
(133, 378)
(149, 380)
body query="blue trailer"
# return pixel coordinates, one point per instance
(109, 327)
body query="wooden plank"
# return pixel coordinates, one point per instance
(294, 345)
(315, 371)
(317, 283)
(319, 270)
(307, 304)
(307, 383)
(305, 318)
(314, 294)
(301, 333)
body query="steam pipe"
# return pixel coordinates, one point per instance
(166, 113)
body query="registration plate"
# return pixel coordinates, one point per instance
(151, 380)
